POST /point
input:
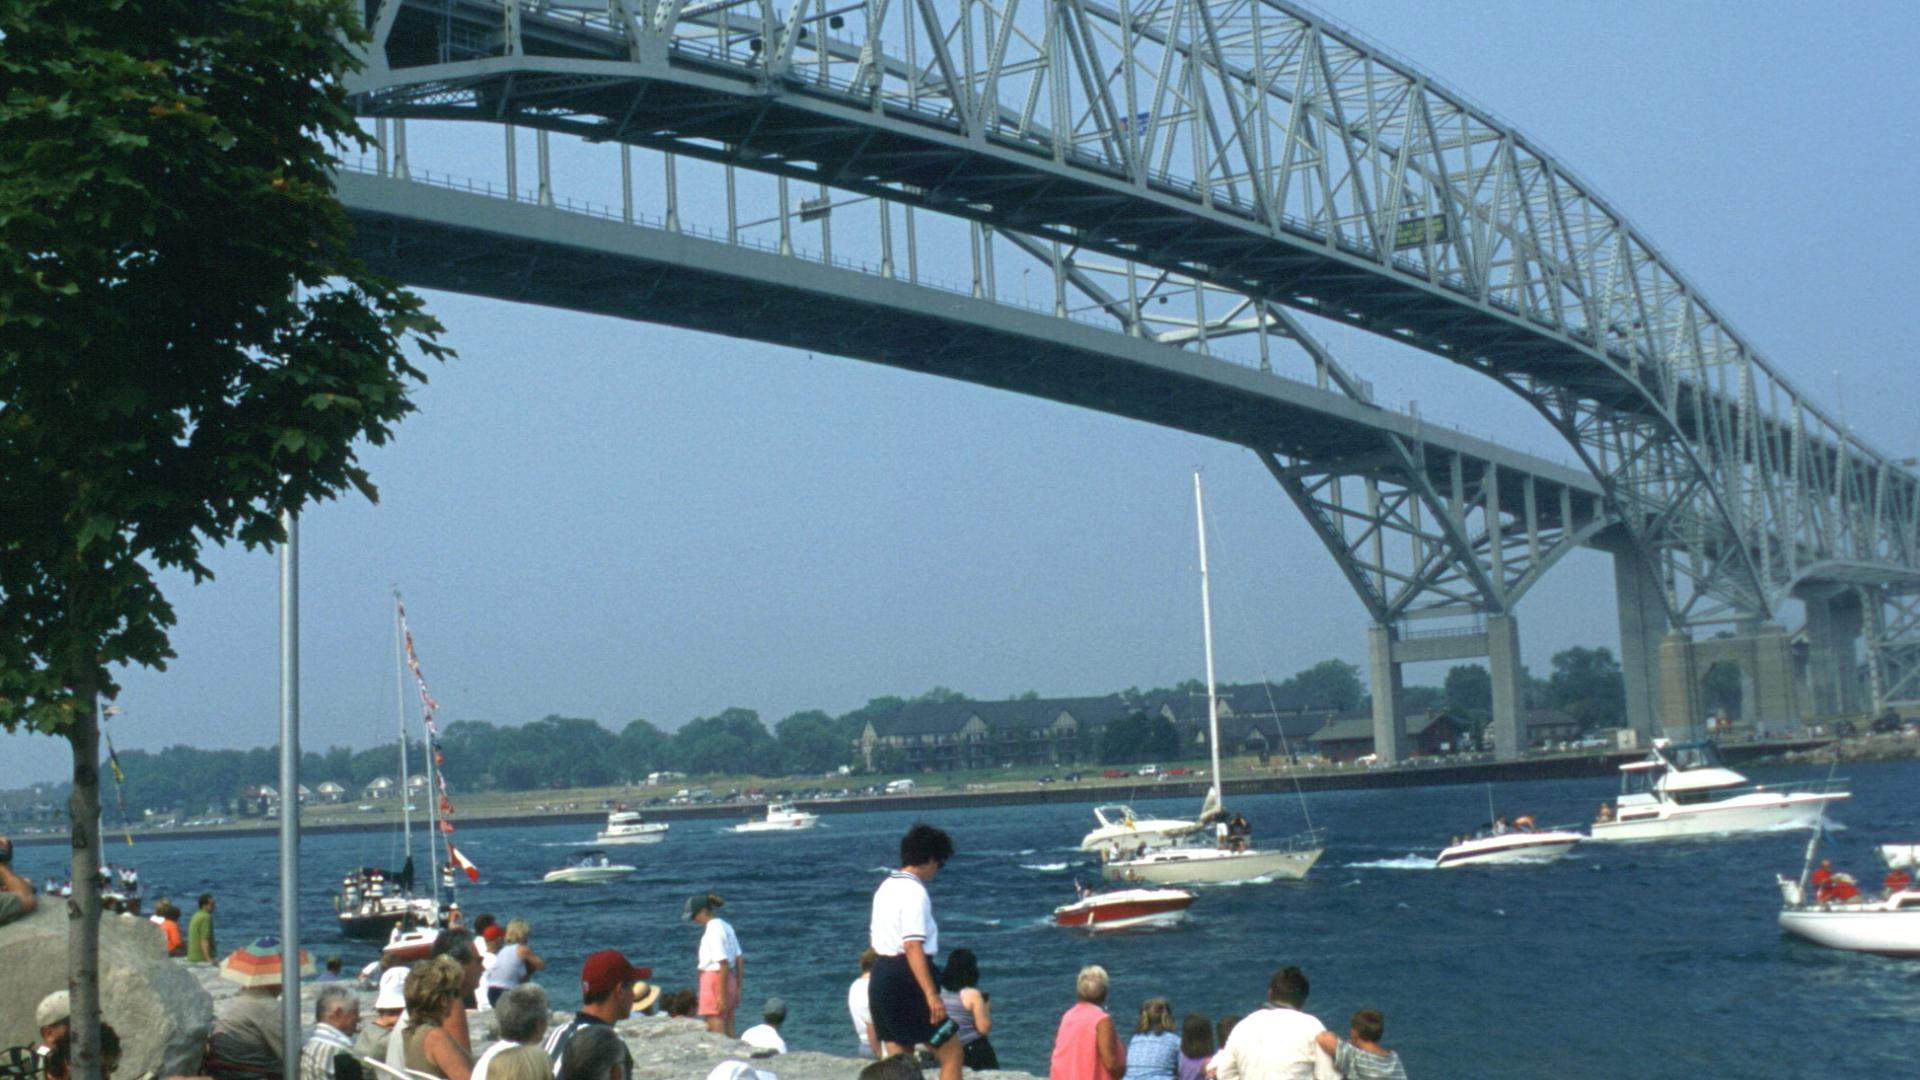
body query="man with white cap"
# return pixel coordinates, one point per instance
(50, 1016)
(388, 1004)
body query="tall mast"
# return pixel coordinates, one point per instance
(434, 839)
(400, 701)
(1206, 636)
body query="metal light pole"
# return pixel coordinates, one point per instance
(290, 798)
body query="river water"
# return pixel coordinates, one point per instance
(1649, 960)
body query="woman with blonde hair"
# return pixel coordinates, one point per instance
(1154, 1052)
(434, 988)
(1086, 1047)
(513, 963)
(521, 1063)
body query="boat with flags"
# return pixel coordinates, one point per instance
(383, 905)
(1232, 857)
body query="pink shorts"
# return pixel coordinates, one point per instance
(719, 993)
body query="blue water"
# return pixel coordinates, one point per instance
(1656, 960)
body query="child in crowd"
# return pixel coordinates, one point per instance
(1196, 1047)
(1361, 1057)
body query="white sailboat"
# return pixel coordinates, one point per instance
(1194, 864)
(1845, 917)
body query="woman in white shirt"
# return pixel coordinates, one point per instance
(904, 989)
(514, 964)
(720, 964)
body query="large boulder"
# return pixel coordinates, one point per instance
(155, 1005)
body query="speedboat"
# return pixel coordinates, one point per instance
(1685, 789)
(781, 817)
(1520, 844)
(1121, 830)
(1839, 916)
(587, 868)
(1124, 909)
(628, 827)
(409, 945)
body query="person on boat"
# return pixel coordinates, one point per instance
(1154, 1051)
(967, 1007)
(1277, 1041)
(606, 998)
(200, 944)
(391, 1000)
(1500, 826)
(766, 1034)
(328, 1053)
(1606, 813)
(860, 1010)
(1523, 823)
(1896, 880)
(1239, 832)
(515, 963)
(433, 989)
(1196, 1047)
(16, 893)
(1086, 1046)
(520, 1018)
(904, 992)
(1360, 1056)
(720, 963)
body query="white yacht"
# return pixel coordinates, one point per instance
(587, 868)
(628, 827)
(1842, 917)
(1685, 789)
(781, 817)
(1121, 829)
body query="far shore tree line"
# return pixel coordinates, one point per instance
(579, 752)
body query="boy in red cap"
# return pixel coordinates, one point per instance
(606, 997)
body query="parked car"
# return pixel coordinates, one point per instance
(1113, 774)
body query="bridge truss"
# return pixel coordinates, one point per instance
(1248, 153)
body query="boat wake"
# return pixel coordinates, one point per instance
(1046, 867)
(1403, 862)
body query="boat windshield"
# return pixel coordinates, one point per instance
(1695, 755)
(590, 858)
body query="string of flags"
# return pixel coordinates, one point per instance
(428, 707)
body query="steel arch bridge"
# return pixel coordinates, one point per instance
(1247, 151)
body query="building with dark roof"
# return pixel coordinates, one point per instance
(1429, 732)
(948, 735)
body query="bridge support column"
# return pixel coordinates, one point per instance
(1509, 700)
(1768, 701)
(1834, 624)
(1680, 709)
(1643, 622)
(1383, 676)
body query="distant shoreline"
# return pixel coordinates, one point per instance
(1561, 767)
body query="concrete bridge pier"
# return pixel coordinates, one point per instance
(1834, 626)
(1385, 684)
(1764, 655)
(1509, 700)
(1499, 641)
(1643, 624)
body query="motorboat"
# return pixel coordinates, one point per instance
(1495, 844)
(781, 817)
(1685, 789)
(1231, 857)
(628, 827)
(1836, 914)
(409, 945)
(1124, 909)
(1123, 830)
(587, 868)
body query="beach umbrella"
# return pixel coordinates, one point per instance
(259, 964)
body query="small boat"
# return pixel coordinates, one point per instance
(781, 817)
(1120, 828)
(628, 827)
(374, 903)
(1839, 916)
(587, 868)
(1522, 843)
(409, 945)
(1685, 789)
(1124, 909)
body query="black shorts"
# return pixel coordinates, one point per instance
(899, 1005)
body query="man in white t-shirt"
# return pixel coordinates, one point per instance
(1278, 1041)
(861, 1009)
(720, 963)
(766, 1035)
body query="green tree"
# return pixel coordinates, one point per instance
(1469, 688)
(1335, 683)
(640, 749)
(734, 743)
(1138, 737)
(166, 189)
(1587, 684)
(811, 742)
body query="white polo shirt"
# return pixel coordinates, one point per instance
(902, 912)
(718, 947)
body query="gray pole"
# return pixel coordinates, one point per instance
(290, 798)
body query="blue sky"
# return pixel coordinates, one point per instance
(617, 521)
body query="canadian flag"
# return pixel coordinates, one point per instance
(473, 872)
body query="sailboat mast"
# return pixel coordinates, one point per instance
(434, 839)
(400, 703)
(1206, 636)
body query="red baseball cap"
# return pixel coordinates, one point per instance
(606, 971)
(493, 932)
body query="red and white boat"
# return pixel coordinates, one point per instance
(410, 945)
(1125, 909)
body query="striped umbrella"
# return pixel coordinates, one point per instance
(259, 964)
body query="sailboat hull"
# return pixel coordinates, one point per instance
(1211, 866)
